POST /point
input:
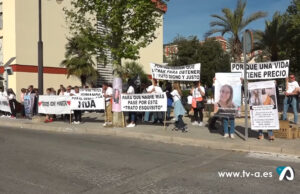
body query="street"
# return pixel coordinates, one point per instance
(44, 162)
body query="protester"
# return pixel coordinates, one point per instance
(30, 90)
(62, 92)
(270, 135)
(4, 94)
(225, 107)
(12, 102)
(77, 113)
(59, 90)
(68, 91)
(148, 117)
(132, 115)
(169, 100)
(154, 88)
(290, 98)
(49, 117)
(198, 93)
(23, 93)
(107, 93)
(179, 110)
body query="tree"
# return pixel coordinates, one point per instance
(273, 38)
(187, 51)
(118, 28)
(293, 43)
(209, 53)
(79, 61)
(128, 26)
(233, 23)
(133, 69)
(213, 59)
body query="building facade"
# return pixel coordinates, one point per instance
(19, 37)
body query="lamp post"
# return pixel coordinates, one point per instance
(40, 51)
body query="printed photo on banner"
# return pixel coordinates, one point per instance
(117, 90)
(28, 104)
(265, 70)
(176, 73)
(54, 104)
(227, 94)
(88, 99)
(144, 102)
(263, 105)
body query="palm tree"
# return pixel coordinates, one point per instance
(233, 23)
(79, 60)
(273, 37)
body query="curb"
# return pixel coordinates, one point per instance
(119, 132)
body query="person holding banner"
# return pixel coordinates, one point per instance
(77, 113)
(226, 102)
(49, 118)
(12, 102)
(23, 93)
(170, 100)
(132, 115)
(179, 110)
(107, 93)
(290, 98)
(198, 93)
(154, 88)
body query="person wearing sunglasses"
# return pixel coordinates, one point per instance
(290, 98)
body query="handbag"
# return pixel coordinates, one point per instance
(200, 104)
(196, 101)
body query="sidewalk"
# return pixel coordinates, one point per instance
(197, 136)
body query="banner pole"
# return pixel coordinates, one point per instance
(104, 111)
(245, 88)
(165, 121)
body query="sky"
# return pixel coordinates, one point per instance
(192, 17)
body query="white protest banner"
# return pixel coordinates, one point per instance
(263, 105)
(227, 94)
(4, 104)
(266, 70)
(144, 102)
(88, 99)
(179, 73)
(54, 104)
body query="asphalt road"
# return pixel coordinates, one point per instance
(41, 162)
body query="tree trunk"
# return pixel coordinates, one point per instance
(83, 80)
(118, 118)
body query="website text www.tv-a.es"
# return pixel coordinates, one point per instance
(244, 174)
(284, 173)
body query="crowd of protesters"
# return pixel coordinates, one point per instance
(175, 102)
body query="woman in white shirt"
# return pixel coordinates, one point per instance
(132, 115)
(154, 88)
(198, 92)
(179, 110)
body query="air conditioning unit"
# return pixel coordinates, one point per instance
(9, 70)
